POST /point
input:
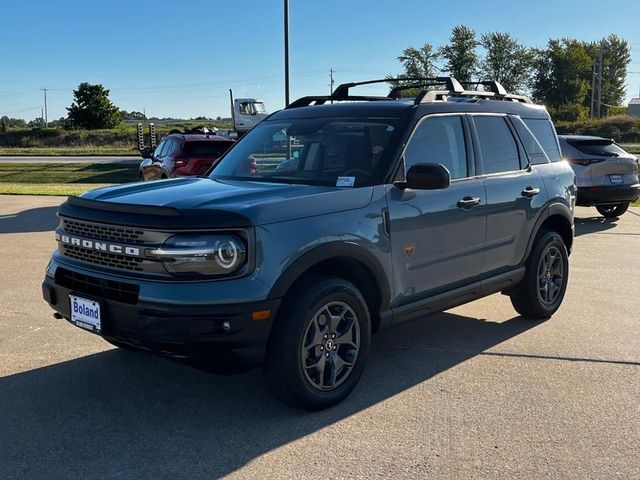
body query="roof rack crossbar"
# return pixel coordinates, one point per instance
(433, 82)
(494, 86)
(322, 99)
(451, 83)
(435, 95)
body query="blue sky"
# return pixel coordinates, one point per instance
(179, 59)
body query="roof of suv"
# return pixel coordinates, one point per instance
(395, 108)
(190, 137)
(583, 137)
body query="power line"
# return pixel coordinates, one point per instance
(25, 109)
(18, 93)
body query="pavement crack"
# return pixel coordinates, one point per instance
(521, 355)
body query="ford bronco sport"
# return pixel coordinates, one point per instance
(379, 210)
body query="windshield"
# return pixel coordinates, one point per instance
(320, 151)
(259, 107)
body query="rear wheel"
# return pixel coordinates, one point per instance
(612, 211)
(319, 345)
(542, 290)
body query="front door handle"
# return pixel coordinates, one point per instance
(468, 202)
(530, 192)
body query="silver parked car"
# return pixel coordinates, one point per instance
(606, 174)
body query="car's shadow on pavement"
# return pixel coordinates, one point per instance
(120, 414)
(597, 224)
(41, 219)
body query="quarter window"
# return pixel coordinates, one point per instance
(544, 132)
(439, 140)
(497, 145)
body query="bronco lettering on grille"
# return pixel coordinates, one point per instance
(96, 245)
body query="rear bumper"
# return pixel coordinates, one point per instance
(589, 196)
(182, 330)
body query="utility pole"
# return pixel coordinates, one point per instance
(600, 70)
(331, 72)
(592, 110)
(46, 117)
(286, 53)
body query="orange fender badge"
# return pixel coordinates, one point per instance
(409, 248)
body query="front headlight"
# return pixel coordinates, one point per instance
(202, 254)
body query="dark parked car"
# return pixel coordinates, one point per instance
(388, 209)
(183, 155)
(606, 174)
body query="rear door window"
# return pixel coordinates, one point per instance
(546, 135)
(498, 148)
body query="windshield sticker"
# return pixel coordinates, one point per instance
(346, 181)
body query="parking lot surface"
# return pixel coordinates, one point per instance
(475, 392)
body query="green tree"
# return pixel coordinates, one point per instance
(460, 54)
(506, 61)
(416, 62)
(92, 108)
(561, 80)
(4, 124)
(617, 57)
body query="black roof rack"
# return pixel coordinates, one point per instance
(452, 88)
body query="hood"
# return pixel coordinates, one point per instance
(204, 202)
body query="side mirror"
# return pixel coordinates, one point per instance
(146, 152)
(426, 176)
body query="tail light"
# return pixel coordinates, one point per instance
(585, 162)
(181, 162)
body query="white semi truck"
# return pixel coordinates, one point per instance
(246, 113)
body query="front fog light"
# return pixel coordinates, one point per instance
(202, 254)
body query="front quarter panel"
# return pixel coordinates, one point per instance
(286, 249)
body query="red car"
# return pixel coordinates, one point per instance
(184, 154)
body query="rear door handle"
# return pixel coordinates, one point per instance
(468, 202)
(530, 192)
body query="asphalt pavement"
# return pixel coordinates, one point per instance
(475, 392)
(134, 159)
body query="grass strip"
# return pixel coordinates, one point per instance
(53, 189)
(59, 173)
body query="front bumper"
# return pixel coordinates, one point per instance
(589, 196)
(185, 329)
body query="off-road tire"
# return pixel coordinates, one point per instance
(529, 298)
(285, 367)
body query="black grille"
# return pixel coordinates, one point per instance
(103, 232)
(98, 287)
(106, 259)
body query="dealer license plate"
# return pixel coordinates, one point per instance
(85, 313)
(615, 179)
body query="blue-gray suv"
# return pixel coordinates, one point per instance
(377, 210)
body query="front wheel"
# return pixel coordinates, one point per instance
(542, 290)
(319, 345)
(612, 211)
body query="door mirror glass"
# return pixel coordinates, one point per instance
(427, 176)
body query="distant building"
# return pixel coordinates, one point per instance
(634, 107)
